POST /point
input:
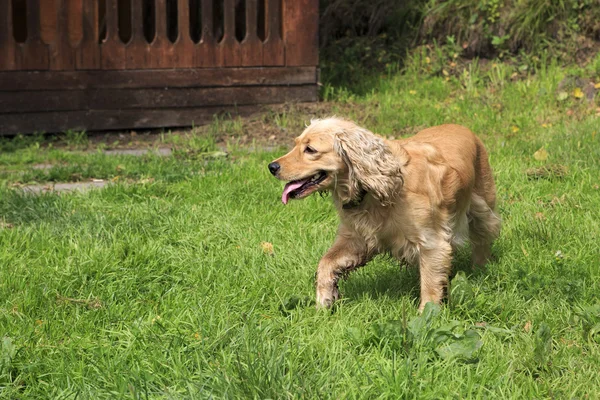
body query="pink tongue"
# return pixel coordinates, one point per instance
(289, 187)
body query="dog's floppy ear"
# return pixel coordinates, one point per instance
(371, 164)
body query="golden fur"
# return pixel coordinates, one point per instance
(415, 198)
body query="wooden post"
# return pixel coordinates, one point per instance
(251, 45)
(184, 46)
(206, 53)
(137, 48)
(229, 48)
(161, 49)
(62, 54)
(112, 50)
(301, 32)
(33, 54)
(88, 53)
(273, 50)
(7, 40)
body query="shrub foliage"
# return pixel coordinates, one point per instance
(362, 35)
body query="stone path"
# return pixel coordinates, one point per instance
(100, 183)
(65, 187)
(95, 183)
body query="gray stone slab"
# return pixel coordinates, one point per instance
(65, 187)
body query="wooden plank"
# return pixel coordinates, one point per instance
(130, 79)
(137, 48)
(108, 99)
(62, 54)
(33, 54)
(88, 51)
(229, 51)
(96, 120)
(48, 20)
(273, 49)
(75, 13)
(301, 32)
(206, 50)
(184, 46)
(112, 50)
(251, 46)
(28, 101)
(161, 51)
(7, 41)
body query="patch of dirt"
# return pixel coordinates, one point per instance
(161, 151)
(273, 127)
(279, 125)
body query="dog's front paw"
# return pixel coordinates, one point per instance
(326, 296)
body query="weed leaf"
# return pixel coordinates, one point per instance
(589, 318)
(463, 347)
(7, 354)
(419, 326)
(562, 96)
(543, 345)
(461, 292)
(541, 155)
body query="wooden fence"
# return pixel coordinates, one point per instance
(115, 64)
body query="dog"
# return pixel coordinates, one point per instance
(417, 199)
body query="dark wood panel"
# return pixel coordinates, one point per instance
(137, 48)
(71, 36)
(26, 101)
(95, 120)
(33, 54)
(213, 77)
(301, 32)
(251, 46)
(107, 99)
(88, 51)
(229, 50)
(184, 46)
(273, 49)
(7, 42)
(206, 53)
(161, 52)
(62, 54)
(112, 51)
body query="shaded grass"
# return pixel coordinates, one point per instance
(161, 289)
(25, 160)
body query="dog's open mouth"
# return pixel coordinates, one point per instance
(301, 187)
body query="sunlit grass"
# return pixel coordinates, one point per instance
(161, 287)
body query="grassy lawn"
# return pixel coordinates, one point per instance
(188, 278)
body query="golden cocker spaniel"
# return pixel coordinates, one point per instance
(416, 198)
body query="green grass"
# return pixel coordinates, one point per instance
(161, 288)
(26, 161)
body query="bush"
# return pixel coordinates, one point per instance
(489, 28)
(359, 37)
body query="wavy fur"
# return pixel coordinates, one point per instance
(417, 199)
(371, 165)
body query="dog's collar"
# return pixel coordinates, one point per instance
(356, 202)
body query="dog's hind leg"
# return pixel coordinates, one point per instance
(484, 228)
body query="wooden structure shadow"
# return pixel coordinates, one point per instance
(119, 64)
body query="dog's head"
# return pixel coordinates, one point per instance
(337, 155)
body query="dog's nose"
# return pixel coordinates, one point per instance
(274, 167)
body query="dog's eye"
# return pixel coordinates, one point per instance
(309, 150)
